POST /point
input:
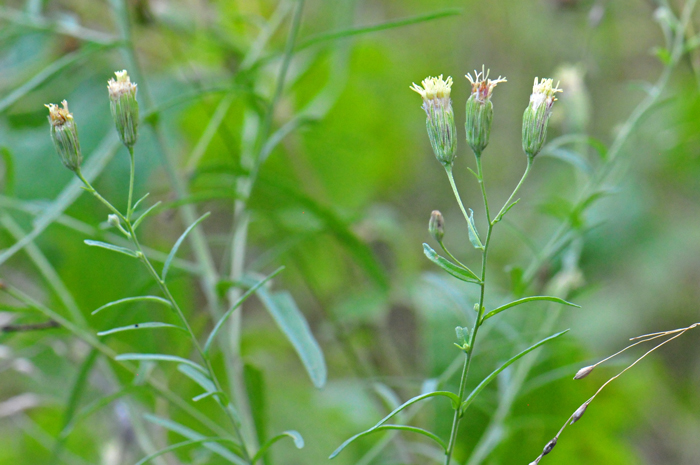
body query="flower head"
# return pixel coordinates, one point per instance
(435, 92)
(480, 110)
(64, 134)
(124, 107)
(482, 86)
(537, 116)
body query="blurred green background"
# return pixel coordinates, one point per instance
(343, 203)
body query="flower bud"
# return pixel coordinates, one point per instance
(436, 225)
(64, 134)
(537, 115)
(583, 372)
(480, 110)
(440, 122)
(578, 413)
(550, 445)
(113, 220)
(125, 108)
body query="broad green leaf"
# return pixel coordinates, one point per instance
(195, 436)
(452, 396)
(136, 326)
(112, 247)
(128, 300)
(526, 300)
(291, 321)
(298, 442)
(334, 35)
(492, 376)
(473, 233)
(238, 303)
(145, 214)
(463, 274)
(160, 358)
(177, 245)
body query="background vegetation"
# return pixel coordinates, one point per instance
(343, 202)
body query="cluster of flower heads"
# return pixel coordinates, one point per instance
(125, 112)
(437, 104)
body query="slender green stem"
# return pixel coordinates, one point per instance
(515, 191)
(448, 170)
(129, 204)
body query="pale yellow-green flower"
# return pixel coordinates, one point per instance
(479, 110)
(124, 107)
(64, 134)
(537, 115)
(435, 92)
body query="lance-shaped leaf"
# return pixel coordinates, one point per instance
(291, 321)
(461, 273)
(450, 395)
(128, 300)
(296, 437)
(495, 373)
(160, 358)
(145, 214)
(195, 436)
(177, 245)
(473, 233)
(112, 247)
(137, 326)
(526, 300)
(192, 442)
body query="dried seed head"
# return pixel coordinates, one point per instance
(440, 123)
(436, 225)
(548, 448)
(480, 110)
(583, 372)
(64, 134)
(125, 108)
(578, 413)
(537, 115)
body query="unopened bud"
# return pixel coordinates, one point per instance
(537, 115)
(64, 134)
(436, 225)
(550, 445)
(113, 220)
(480, 110)
(440, 122)
(578, 413)
(125, 108)
(583, 372)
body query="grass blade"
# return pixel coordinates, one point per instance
(298, 442)
(177, 245)
(495, 373)
(526, 300)
(143, 298)
(182, 444)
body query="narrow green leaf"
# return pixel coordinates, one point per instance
(412, 429)
(495, 373)
(177, 245)
(128, 300)
(182, 444)
(569, 156)
(505, 210)
(218, 394)
(9, 171)
(238, 303)
(145, 214)
(473, 233)
(195, 436)
(298, 442)
(291, 321)
(112, 247)
(255, 387)
(333, 35)
(198, 377)
(138, 202)
(136, 326)
(526, 300)
(452, 396)
(463, 274)
(160, 358)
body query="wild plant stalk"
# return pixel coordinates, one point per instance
(435, 92)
